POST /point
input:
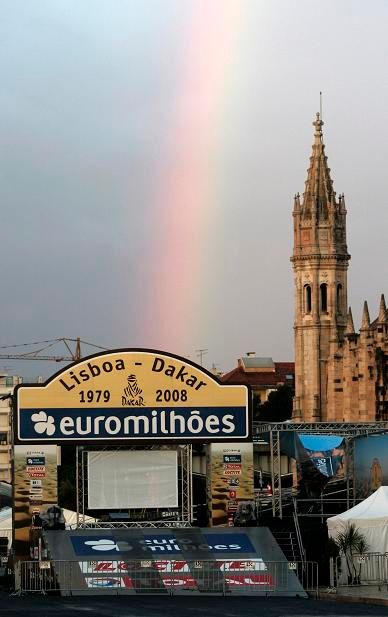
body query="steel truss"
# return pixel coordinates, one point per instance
(185, 478)
(274, 438)
(349, 430)
(322, 428)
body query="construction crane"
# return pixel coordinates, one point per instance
(72, 353)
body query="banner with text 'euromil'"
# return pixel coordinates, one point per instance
(128, 396)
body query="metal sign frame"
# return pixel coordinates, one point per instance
(173, 401)
(185, 489)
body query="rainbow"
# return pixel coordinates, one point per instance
(184, 208)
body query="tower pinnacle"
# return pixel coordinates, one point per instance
(365, 322)
(318, 123)
(349, 323)
(319, 192)
(382, 310)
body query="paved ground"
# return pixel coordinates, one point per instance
(141, 606)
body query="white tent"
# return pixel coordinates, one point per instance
(370, 517)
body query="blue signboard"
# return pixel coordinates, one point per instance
(160, 544)
(95, 424)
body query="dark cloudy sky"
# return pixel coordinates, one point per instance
(149, 154)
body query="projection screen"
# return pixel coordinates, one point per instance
(132, 479)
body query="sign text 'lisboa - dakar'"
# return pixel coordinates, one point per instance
(132, 395)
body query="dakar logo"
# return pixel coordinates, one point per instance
(132, 394)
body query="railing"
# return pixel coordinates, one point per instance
(168, 577)
(298, 533)
(359, 569)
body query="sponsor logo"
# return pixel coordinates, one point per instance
(234, 481)
(254, 580)
(35, 460)
(239, 565)
(132, 396)
(120, 423)
(43, 423)
(35, 469)
(184, 580)
(232, 472)
(103, 582)
(36, 493)
(36, 474)
(104, 544)
(232, 458)
(164, 544)
(237, 573)
(232, 466)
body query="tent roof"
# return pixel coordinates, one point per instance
(373, 507)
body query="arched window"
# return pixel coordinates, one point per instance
(323, 289)
(307, 299)
(339, 298)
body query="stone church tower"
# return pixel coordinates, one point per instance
(340, 375)
(320, 262)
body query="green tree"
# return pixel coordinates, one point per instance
(362, 548)
(278, 407)
(256, 403)
(349, 542)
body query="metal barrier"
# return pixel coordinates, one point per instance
(169, 577)
(361, 569)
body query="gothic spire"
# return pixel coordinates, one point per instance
(319, 192)
(349, 324)
(365, 322)
(382, 318)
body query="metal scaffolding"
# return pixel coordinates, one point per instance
(322, 428)
(274, 438)
(349, 430)
(185, 480)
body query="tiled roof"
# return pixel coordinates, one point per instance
(260, 378)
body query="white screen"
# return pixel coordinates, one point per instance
(132, 479)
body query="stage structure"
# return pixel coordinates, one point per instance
(349, 430)
(115, 406)
(178, 515)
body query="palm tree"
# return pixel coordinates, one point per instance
(349, 542)
(362, 549)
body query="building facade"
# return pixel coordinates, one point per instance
(340, 375)
(7, 385)
(263, 375)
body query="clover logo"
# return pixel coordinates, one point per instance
(103, 545)
(43, 423)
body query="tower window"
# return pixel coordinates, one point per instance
(323, 289)
(307, 299)
(339, 298)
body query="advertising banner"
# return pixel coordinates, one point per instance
(370, 464)
(319, 459)
(35, 489)
(132, 396)
(156, 560)
(230, 484)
